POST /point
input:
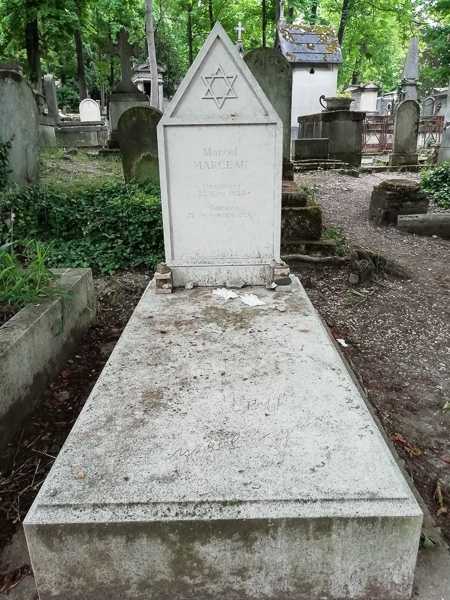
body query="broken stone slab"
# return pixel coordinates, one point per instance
(225, 452)
(432, 224)
(395, 197)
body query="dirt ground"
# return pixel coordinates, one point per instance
(397, 331)
(396, 336)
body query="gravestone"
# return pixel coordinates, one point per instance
(139, 144)
(89, 111)
(406, 131)
(273, 73)
(207, 462)
(221, 160)
(126, 94)
(19, 125)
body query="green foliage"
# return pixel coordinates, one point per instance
(436, 182)
(106, 227)
(20, 286)
(5, 147)
(68, 95)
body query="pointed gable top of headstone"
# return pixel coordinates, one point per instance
(218, 86)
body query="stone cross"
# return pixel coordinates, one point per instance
(282, 20)
(239, 45)
(124, 50)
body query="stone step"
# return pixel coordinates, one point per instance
(317, 165)
(225, 452)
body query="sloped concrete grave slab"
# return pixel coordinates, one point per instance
(35, 343)
(225, 452)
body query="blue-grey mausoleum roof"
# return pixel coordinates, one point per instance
(308, 44)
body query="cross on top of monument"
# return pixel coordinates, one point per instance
(239, 45)
(124, 50)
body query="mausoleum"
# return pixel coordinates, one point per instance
(314, 54)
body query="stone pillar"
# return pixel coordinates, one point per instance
(406, 130)
(444, 151)
(411, 70)
(51, 98)
(344, 129)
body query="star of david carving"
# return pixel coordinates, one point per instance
(219, 86)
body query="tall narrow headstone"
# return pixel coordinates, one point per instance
(51, 98)
(274, 74)
(406, 131)
(19, 126)
(221, 158)
(444, 150)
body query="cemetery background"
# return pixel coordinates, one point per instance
(396, 334)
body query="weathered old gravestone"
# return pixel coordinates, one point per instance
(221, 161)
(126, 94)
(273, 73)
(406, 131)
(19, 125)
(225, 451)
(139, 144)
(89, 111)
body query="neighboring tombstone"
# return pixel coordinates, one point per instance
(89, 111)
(51, 98)
(139, 143)
(220, 152)
(125, 95)
(444, 150)
(19, 125)
(273, 73)
(406, 131)
(428, 107)
(411, 70)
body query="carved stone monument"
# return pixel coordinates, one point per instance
(125, 95)
(221, 162)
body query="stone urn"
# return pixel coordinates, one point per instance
(335, 103)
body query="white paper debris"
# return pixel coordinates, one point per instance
(224, 293)
(342, 342)
(251, 300)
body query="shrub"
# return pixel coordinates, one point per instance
(20, 286)
(106, 227)
(436, 182)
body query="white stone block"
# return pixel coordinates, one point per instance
(220, 153)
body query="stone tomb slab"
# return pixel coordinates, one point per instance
(220, 156)
(224, 453)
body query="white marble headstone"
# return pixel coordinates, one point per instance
(220, 152)
(89, 110)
